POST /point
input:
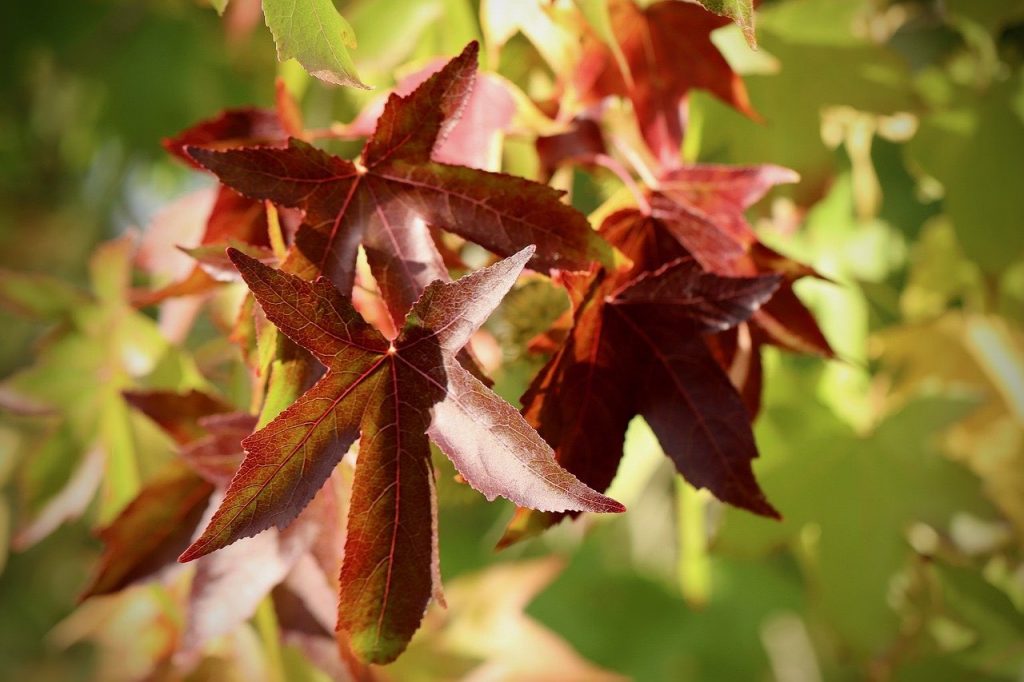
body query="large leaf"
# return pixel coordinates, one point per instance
(388, 199)
(394, 394)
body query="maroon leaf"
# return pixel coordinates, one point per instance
(393, 394)
(233, 218)
(232, 128)
(488, 108)
(638, 347)
(179, 414)
(669, 52)
(388, 200)
(151, 531)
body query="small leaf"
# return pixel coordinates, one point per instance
(317, 36)
(151, 531)
(740, 11)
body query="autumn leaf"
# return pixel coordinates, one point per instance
(396, 395)
(151, 531)
(232, 219)
(160, 522)
(702, 206)
(475, 139)
(387, 199)
(637, 346)
(668, 49)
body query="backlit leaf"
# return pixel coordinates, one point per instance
(393, 394)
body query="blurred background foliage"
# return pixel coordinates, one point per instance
(899, 468)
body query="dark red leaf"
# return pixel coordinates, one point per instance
(388, 200)
(638, 347)
(394, 394)
(179, 414)
(232, 128)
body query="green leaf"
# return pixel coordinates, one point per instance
(38, 296)
(972, 149)
(847, 501)
(317, 36)
(740, 11)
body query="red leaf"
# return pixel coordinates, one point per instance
(233, 218)
(669, 51)
(178, 414)
(232, 128)
(638, 347)
(393, 394)
(151, 531)
(702, 207)
(388, 200)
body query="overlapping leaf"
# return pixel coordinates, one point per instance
(160, 522)
(668, 49)
(232, 219)
(388, 199)
(637, 347)
(395, 395)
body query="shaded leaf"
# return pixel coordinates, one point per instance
(151, 531)
(637, 347)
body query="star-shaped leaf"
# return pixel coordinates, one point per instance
(637, 347)
(388, 199)
(396, 395)
(669, 52)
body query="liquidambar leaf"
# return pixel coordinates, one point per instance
(669, 52)
(154, 528)
(395, 395)
(387, 201)
(317, 36)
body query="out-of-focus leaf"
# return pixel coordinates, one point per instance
(818, 471)
(970, 149)
(740, 11)
(669, 52)
(501, 20)
(106, 348)
(657, 636)
(317, 36)
(485, 622)
(151, 531)
(993, 622)
(824, 62)
(38, 296)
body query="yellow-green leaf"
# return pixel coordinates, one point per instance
(313, 32)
